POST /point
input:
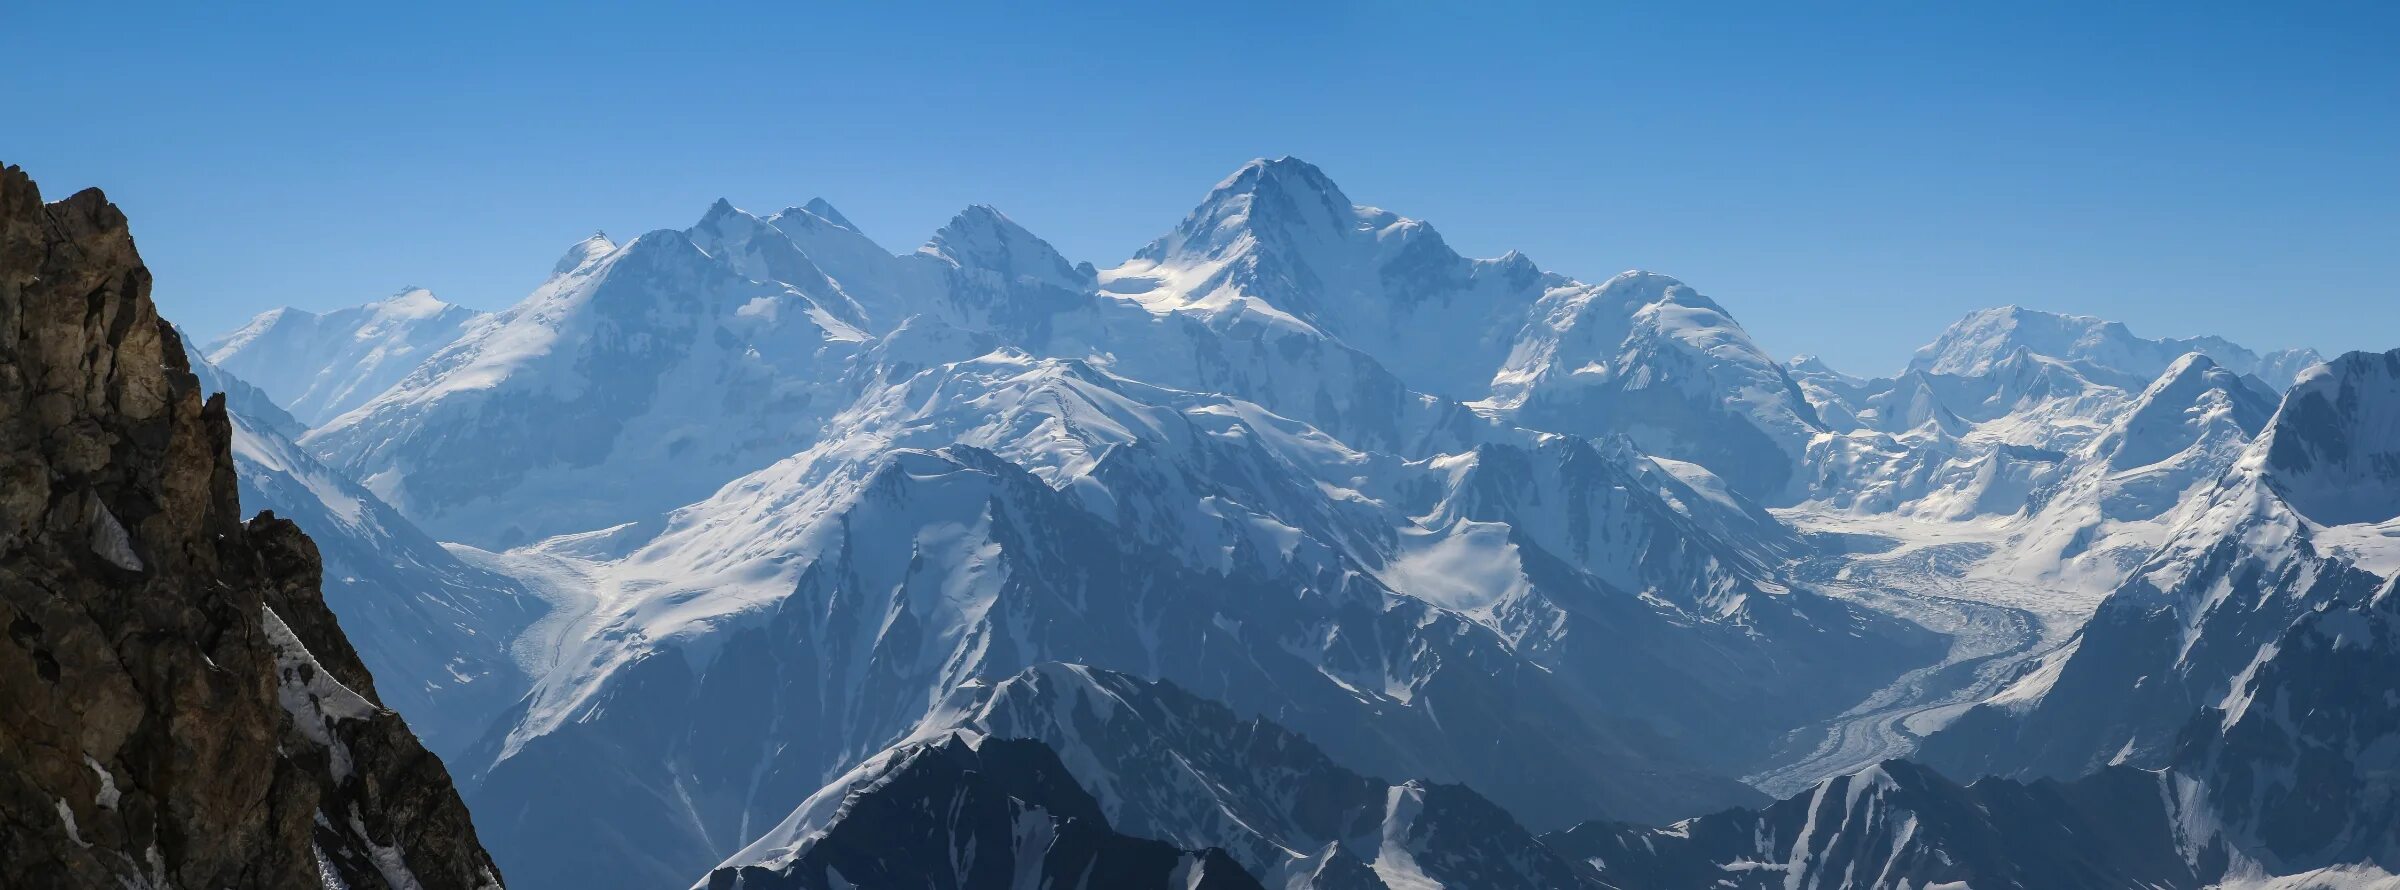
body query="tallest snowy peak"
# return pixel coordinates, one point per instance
(1281, 200)
(1286, 175)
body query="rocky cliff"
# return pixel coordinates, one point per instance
(177, 705)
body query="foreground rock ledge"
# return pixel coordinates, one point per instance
(177, 706)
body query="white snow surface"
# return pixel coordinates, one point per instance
(1983, 338)
(319, 366)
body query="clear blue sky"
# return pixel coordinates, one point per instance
(1847, 179)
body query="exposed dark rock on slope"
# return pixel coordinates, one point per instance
(177, 706)
(433, 630)
(1161, 763)
(2302, 762)
(963, 812)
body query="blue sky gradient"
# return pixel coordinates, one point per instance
(1846, 180)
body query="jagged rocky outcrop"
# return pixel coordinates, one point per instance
(177, 705)
(965, 812)
(434, 629)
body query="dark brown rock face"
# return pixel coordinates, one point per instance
(177, 706)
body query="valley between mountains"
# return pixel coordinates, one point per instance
(1298, 550)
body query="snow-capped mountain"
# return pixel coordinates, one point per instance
(1983, 339)
(964, 811)
(2113, 504)
(2068, 462)
(1276, 290)
(2336, 451)
(2239, 564)
(636, 379)
(318, 366)
(1645, 356)
(435, 630)
(1999, 412)
(1944, 447)
(1278, 243)
(1279, 246)
(2194, 404)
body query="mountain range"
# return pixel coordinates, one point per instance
(1299, 550)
